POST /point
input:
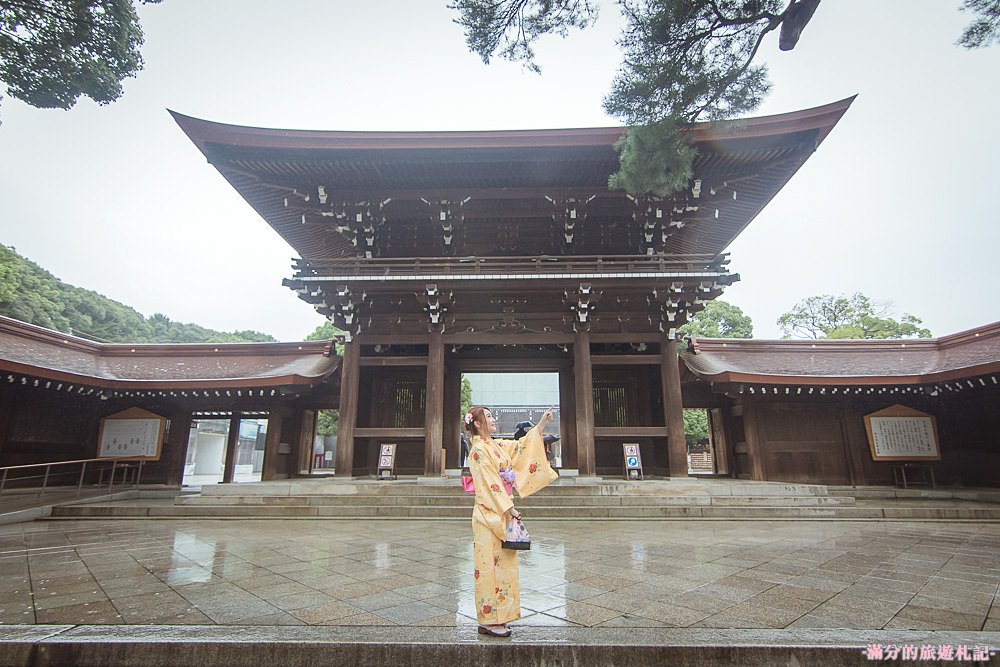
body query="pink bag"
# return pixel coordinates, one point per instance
(469, 486)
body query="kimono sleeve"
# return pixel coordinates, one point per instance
(531, 466)
(485, 469)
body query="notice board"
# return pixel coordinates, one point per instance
(899, 433)
(134, 433)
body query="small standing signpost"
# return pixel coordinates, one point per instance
(633, 460)
(906, 436)
(386, 461)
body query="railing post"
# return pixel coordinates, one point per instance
(83, 473)
(138, 474)
(111, 484)
(3, 480)
(45, 480)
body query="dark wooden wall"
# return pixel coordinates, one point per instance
(822, 440)
(39, 425)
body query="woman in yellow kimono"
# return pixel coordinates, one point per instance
(497, 591)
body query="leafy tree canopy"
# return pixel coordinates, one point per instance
(54, 51)
(325, 331)
(856, 316)
(327, 422)
(719, 319)
(985, 27)
(695, 426)
(683, 61)
(33, 295)
(466, 398)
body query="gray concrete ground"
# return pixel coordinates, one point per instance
(579, 574)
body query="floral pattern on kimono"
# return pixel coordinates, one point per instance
(497, 589)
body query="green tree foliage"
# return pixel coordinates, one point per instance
(54, 51)
(856, 316)
(325, 331)
(327, 422)
(31, 294)
(683, 61)
(510, 27)
(466, 400)
(695, 426)
(985, 27)
(719, 319)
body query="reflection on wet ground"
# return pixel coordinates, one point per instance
(707, 574)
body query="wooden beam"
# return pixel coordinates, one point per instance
(631, 432)
(625, 360)
(673, 408)
(386, 432)
(583, 380)
(434, 405)
(349, 376)
(393, 361)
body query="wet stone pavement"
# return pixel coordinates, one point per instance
(621, 574)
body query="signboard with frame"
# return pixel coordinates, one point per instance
(899, 433)
(386, 461)
(134, 433)
(633, 460)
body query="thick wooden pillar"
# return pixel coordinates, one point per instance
(567, 420)
(673, 408)
(233, 439)
(452, 420)
(6, 417)
(583, 384)
(272, 446)
(175, 448)
(307, 432)
(434, 406)
(349, 377)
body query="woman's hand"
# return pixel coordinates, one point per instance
(546, 418)
(514, 514)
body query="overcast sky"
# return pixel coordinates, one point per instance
(899, 202)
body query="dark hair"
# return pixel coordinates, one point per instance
(476, 414)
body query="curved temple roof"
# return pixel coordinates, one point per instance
(960, 356)
(289, 176)
(51, 355)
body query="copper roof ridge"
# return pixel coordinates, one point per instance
(824, 344)
(983, 332)
(202, 131)
(58, 338)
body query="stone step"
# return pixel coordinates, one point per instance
(541, 500)
(922, 493)
(294, 646)
(149, 510)
(570, 487)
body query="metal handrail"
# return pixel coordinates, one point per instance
(83, 471)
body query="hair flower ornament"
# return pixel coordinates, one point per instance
(468, 418)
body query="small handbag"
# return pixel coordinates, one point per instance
(517, 537)
(467, 485)
(470, 487)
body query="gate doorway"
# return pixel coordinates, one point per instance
(514, 398)
(221, 445)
